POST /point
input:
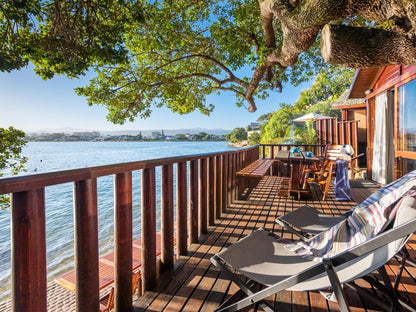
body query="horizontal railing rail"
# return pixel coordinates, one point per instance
(270, 150)
(205, 186)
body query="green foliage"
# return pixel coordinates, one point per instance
(237, 135)
(183, 52)
(326, 89)
(305, 133)
(254, 138)
(65, 36)
(329, 84)
(11, 143)
(278, 123)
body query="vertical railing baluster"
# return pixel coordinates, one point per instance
(224, 183)
(181, 209)
(234, 182)
(28, 251)
(148, 228)
(211, 190)
(86, 245)
(123, 240)
(218, 187)
(229, 179)
(203, 211)
(167, 227)
(193, 201)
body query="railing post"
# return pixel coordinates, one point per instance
(193, 201)
(218, 186)
(224, 183)
(28, 251)
(86, 245)
(211, 190)
(229, 179)
(123, 240)
(148, 229)
(167, 255)
(203, 209)
(181, 209)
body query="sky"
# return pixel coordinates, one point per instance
(29, 103)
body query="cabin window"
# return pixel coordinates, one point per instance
(407, 117)
(406, 165)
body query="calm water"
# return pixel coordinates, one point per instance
(55, 156)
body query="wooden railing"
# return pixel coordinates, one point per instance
(270, 150)
(212, 187)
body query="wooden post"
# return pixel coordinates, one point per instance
(181, 209)
(167, 255)
(224, 183)
(28, 251)
(218, 186)
(86, 245)
(193, 201)
(148, 229)
(123, 240)
(229, 179)
(203, 209)
(211, 190)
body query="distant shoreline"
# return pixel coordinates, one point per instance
(98, 137)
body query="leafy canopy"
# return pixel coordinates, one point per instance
(64, 36)
(237, 135)
(11, 143)
(184, 51)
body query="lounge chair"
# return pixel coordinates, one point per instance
(306, 221)
(265, 259)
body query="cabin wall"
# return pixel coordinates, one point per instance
(390, 78)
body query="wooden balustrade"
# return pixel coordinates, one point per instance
(212, 186)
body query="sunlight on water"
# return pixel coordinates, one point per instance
(55, 156)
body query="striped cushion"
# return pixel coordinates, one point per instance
(366, 221)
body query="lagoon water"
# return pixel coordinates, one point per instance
(56, 156)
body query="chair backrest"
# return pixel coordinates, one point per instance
(405, 212)
(369, 262)
(337, 152)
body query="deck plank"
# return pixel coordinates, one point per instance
(196, 285)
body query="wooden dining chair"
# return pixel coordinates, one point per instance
(107, 301)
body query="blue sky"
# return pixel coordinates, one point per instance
(29, 103)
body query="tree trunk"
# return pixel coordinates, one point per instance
(359, 47)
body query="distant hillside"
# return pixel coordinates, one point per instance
(216, 131)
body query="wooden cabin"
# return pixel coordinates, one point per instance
(390, 94)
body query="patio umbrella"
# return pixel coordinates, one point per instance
(311, 116)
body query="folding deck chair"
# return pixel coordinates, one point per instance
(306, 221)
(263, 258)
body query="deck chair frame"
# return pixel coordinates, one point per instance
(301, 232)
(327, 265)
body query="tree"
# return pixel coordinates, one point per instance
(254, 138)
(278, 123)
(11, 143)
(327, 87)
(237, 135)
(185, 50)
(64, 37)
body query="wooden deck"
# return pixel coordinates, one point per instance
(196, 285)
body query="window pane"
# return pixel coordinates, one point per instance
(407, 165)
(407, 117)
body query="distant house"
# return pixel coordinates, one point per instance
(253, 127)
(390, 94)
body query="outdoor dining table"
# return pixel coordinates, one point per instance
(294, 162)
